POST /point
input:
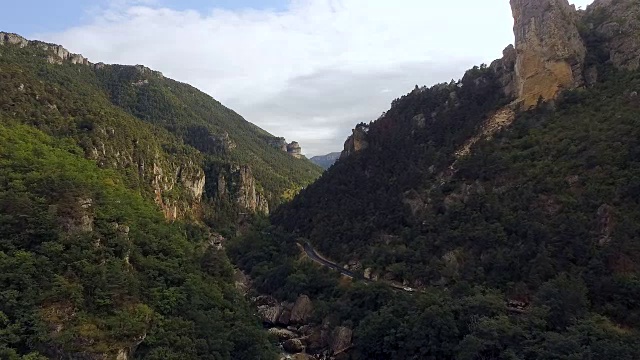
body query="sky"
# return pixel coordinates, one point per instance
(306, 70)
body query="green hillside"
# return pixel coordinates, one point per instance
(164, 135)
(90, 268)
(524, 248)
(112, 190)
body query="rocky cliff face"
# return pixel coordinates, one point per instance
(237, 184)
(294, 150)
(358, 141)
(505, 69)
(618, 23)
(58, 53)
(550, 51)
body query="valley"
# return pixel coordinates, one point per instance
(496, 216)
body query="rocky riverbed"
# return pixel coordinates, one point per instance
(301, 338)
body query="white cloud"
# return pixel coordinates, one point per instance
(308, 73)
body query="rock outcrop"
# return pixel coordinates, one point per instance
(505, 70)
(58, 53)
(549, 50)
(293, 346)
(269, 309)
(238, 184)
(617, 22)
(340, 339)
(358, 141)
(278, 143)
(302, 310)
(294, 150)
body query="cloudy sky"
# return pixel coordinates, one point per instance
(308, 70)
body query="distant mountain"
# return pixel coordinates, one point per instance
(325, 161)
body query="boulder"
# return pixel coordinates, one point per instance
(293, 346)
(285, 317)
(282, 334)
(340, 339)
(302, 310)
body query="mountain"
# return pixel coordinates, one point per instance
(172, 140)
(117, 189)
(325, 161)
(505, 204)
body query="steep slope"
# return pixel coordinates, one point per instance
(108, 175)
(508, 199)
(91, 270)
(192, 145)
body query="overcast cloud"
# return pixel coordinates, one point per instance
(309, 73)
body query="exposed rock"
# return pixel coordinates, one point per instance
(550, 51)
(265, 300)
(238, 185)
(367, 273)
(496, 122)
(149, 72)
(317, 340)
(282, 334)
(217, 241)
(302, 310)
(269, 309)
(294, 150)
(58, 53)
(414, 200)
(419, 121)
(278, 143)
(242, 282)
(13, 39)
(620, 30)
(76, 217)
(269, 314)
(506, 72)
(293, 346)
(340, 339)
(193, 182)
(285, 317)
(605, 224)
(302, 356)
(358, 141)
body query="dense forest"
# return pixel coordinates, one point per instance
(114, 185)
(544, 214)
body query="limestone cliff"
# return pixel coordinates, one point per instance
(549, 50)
(237, 184)
(505, 72)
(294, 150)
(617, 22)
(58, 53)
(358, 141)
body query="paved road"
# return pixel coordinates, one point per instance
(513, 306)
(313, 255)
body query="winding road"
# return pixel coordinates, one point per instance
(313, 255)
(512, 305)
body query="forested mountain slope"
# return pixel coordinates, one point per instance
(168, 137)
(114, 182)
(516, 184)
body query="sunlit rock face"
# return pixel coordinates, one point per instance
(550, 51)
